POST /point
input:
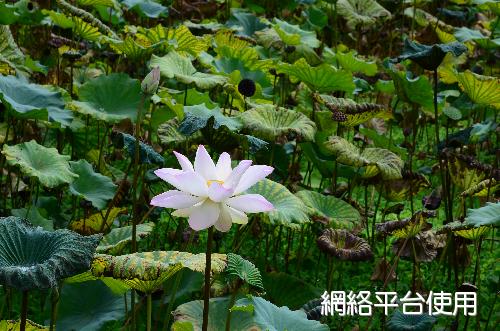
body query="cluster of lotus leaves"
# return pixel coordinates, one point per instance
(32, 258)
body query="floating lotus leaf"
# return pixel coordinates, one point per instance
(91, 186)
(350, 113)
(375, 160)
(404, 322)
(32, 258)
(244, 269)
(116, 240)
(486, 215)
(174, 65)
(323, 78)
(289, 210)
(430, 57)
(110, 98)
(402, 189)
(483, 90)
(11, 325)
(337, 212)
(25, 100)
(344, 245)
(248, 314)
(46, 164)
(94, 223)
(293, 35)
(408, 227)
(425, 245)
(270, 123)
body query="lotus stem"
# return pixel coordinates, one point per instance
(208, 269)
(24, 311)
(149, 311)
(55, 304)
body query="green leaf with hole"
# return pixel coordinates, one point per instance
(45, 164)
(90, 185)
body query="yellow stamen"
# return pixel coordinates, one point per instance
(209, 182)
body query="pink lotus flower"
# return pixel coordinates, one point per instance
(211, 194)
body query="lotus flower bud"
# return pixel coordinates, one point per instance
(151, 81)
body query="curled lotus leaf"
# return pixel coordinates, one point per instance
(408, 227)
(430, 57)
(403, 188)
(375, 160)
(466, 172)
(13, 325)
(484, 188)
(400, 321)
(344, 245)
(32, 258)
(424, 245)
(46, 164)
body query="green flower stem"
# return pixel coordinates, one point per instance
(208, 268)
(149, 310)
(24, 311)
(54, 306)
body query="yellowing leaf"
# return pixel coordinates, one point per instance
(94, 223)
(483, 90)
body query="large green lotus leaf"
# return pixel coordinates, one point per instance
(110, 98)
(350, 62)
(11, 56)
(248, 314)
(289, 210)
(430, 57)
(33, 101)
(32, 258)
(486, 215)
(245, 22)
(323, 78)
(376, 160)
(293, 35)
(283, 289)
(116, 286)
(413, 90)
(185, 42)
(400, 322)
(46, 164)
(483, 90)
(132, 48)
(244, 269)
(337, 212)
(361, 12)
(115, 241)
(174, 65)
(197, 117)
(11, 325)
(269, 122)
(90, 185)
(105, 3)
(88, 306)
(149, 8)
